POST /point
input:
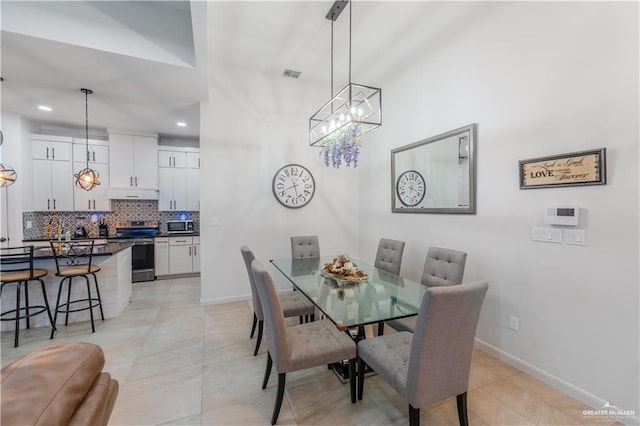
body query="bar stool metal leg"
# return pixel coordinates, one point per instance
(66, 316)
(95, 280)
(26, 303)
(55, 314)
(17, 332)
(93, 327)
(46, 303)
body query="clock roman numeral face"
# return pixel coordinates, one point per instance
(293, 186)
(410, 188)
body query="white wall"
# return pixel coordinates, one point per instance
(16, 152)
(244, 140)
(540, 79)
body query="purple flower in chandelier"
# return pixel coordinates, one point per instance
(342, 146)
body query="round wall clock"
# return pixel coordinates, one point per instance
(410, 188)
(293, 186)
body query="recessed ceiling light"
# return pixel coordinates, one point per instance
(181, 124)
(45, 108)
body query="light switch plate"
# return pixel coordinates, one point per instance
(576, 237)
(547, 235)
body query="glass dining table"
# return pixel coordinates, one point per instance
(351, 305)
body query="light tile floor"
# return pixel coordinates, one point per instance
(180, 363)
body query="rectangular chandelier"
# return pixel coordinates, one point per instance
(356, 108)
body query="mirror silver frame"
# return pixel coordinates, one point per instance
(398, 207)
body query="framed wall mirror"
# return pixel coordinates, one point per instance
(436, 175)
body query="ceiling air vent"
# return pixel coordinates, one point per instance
(291, 73)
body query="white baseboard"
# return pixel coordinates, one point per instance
(221, 300)
(573, 391)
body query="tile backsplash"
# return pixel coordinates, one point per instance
(124, 211)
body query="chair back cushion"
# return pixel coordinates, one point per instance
(389, 255)
(440, 356)
(273, 315)
(443, 267)
(305, 246)
(248, 257)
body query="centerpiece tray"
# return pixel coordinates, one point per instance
(341, 279)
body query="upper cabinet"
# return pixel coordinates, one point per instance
(133, 161)
(98, 157)
(193, 181)
(178, 179)
(52, 174)
(98, 152)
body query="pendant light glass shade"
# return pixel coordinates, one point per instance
(7, 175)
(87, 178)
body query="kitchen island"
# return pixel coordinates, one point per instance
(114, 281)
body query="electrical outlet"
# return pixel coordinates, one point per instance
(513, 323)
(29, 224)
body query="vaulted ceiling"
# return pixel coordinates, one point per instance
(149, 63)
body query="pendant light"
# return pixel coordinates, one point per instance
(8, 174)
(87, 178)
(355, 110)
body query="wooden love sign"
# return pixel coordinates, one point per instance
(577, 168)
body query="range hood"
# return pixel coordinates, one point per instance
(132, 194)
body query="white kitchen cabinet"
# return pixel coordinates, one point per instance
(177, 255)
(178, 180)
(172, 186)
(133, 161)
(180, 255)
(193, 189)
(45, 149)
(96, 199)
(193, 160)
(161, 250)
(98, 152)
(195, 259)
(168, 158)
(98, 156)
(52, 174)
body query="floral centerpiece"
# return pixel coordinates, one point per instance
(343, 268)
(344, 145)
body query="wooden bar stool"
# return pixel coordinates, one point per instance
(16, 265)
(73, 260)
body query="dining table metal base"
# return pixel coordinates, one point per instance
(342, 371)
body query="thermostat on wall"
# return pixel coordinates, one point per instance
(562, 215)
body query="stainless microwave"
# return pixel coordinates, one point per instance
(180, 226)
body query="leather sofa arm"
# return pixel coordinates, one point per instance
(60, 383)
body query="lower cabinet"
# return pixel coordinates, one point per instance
(177, 255)
(161, 251)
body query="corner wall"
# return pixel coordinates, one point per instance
(539, 79)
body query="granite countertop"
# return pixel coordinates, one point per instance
(107, 249)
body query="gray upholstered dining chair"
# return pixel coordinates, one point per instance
(428, 365)
(300, 346)
(305, 246)
(442, 267)
(389, 255)
(293, 303)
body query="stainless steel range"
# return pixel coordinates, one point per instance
(142, 252)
